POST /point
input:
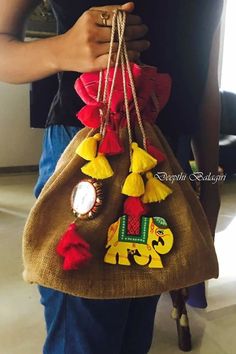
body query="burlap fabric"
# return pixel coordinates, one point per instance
(191, 260)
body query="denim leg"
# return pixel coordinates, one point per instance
(83, 326)
(139, 327)
(54, 303)
(56, 138)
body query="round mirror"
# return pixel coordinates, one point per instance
(86, 198)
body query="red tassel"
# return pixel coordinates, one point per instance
(133, 206)
(90, 116)
(156, 153)
(74, 259)
(110, 144)
(74, 249)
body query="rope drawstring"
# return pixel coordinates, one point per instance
(118, 26)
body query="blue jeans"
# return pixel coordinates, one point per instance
(83, 326)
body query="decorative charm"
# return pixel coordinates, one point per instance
(154, 238)
(86, 198)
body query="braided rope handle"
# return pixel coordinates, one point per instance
(118, 26)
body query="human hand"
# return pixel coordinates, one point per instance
(85, 46)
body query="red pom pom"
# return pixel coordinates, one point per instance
(156, 153)
(133, 206)
(74, 249)
(110, 144)
(90, 116)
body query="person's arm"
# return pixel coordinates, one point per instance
(205, 141)
(83, 48)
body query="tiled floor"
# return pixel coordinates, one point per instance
(21, 318)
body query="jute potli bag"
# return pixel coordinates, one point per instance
(104, 226)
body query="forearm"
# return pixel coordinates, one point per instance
(83, 48)
(22, 62)
(205, 141)
(206, 151)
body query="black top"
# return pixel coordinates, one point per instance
(181, 34)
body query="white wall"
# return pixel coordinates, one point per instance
(20, 145)
(228, 79)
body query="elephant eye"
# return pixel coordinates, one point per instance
(160, 232)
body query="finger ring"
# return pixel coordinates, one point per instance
(104, 16)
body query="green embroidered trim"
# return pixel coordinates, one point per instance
(141, 238)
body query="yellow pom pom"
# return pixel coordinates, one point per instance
(141, 160)
(88, 147)
(98, 168)
(134, 185)
(155, 190)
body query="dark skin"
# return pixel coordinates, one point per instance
(22, 62)
(205, 141)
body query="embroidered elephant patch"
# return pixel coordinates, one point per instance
(141, 239)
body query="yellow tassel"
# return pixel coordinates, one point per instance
(134, 185)
(88, 147)
(155, 190)
(98, 168)
(141, 160)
